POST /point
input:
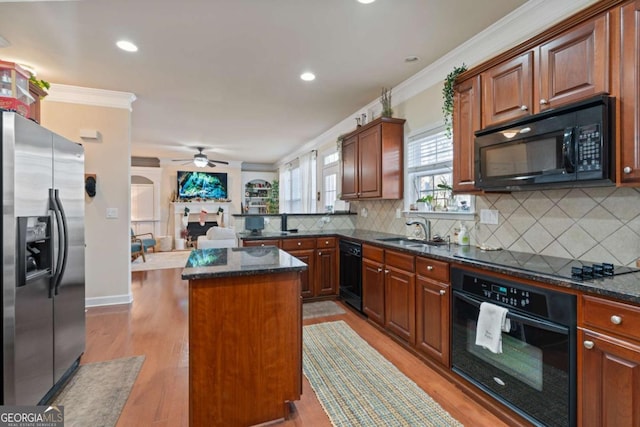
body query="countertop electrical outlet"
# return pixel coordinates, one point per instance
(489, 216)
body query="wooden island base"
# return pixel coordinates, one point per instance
(245, 348)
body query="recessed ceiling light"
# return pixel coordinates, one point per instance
(128, 46)
(307, 77)
(412, 58)
(366, 1)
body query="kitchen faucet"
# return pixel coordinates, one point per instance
(422, 222)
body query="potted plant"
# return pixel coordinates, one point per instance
(425, 203)
(447, 95)
(385, 100)
(450, 200)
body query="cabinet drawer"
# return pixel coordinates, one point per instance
(325, 242)
(432, 269)
(611, 316)
(373, 253)
(263, 242)
(294, 244)
(400, 261)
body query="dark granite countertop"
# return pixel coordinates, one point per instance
(625, 287)
(226, 262)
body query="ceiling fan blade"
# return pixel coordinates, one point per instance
(182, 160)
(222, 162)
(211, 164)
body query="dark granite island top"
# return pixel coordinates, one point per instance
(226, 262)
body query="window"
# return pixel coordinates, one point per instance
(290, 194)
(429, 164)
(298, 185)
(330, 179)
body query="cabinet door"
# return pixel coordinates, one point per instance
(370, 159)
(399, 303)
(609, 381)
(373, 290)
(432, 319)
(306, 277)
(326, 272)
(575, 65)
(350, 168)
(507, 90)
(628, 169)
(466, 120)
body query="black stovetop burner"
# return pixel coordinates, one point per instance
(549, 265)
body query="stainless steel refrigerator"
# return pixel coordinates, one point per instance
(43, 298)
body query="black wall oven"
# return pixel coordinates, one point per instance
(535, 375)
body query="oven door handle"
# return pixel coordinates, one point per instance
(538, 323)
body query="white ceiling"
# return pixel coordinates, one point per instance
(224, 74)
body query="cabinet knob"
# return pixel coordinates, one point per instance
(524, 108)
(588, 345)
(319, 253)
(261, 244)
(379, 270)
(442, 292)
(616, 320)
(386, 271)
(430, 267)
(326, 242)
(543, 101)
(626, 170)
(299, 243)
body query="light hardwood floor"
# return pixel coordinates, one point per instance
(155, 325)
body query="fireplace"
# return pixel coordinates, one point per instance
(195, 229)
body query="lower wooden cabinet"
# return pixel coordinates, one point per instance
(433, 299)
(608, 363)
(373, 290)
(399, 294)
(610, 381)
(321, 256)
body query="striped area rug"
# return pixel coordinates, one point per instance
(358, 387)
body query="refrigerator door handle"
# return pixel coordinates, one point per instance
(65, 232)
(57, 271)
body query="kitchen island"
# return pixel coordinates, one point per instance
(245, 335)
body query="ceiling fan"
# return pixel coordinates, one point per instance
(201, 160)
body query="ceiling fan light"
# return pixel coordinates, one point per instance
(200, 160)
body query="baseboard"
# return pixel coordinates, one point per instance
(110, 300)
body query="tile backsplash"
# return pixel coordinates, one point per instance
(591, 224)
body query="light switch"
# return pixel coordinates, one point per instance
(112, 213)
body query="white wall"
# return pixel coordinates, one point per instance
(107, 262)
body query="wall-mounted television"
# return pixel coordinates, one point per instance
(203, 185)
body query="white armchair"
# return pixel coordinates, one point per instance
(218, 237)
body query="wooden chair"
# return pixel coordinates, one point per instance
(137, 249)
(147, 243)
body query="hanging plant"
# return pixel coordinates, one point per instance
(447, 95)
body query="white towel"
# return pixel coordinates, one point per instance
(492, 320)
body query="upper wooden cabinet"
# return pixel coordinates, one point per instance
(571, 66)
(372, 160)
(628, 166)
(507, 90)
(575, 64)
(466, 120)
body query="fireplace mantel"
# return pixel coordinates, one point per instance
(195, 208)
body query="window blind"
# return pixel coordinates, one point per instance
(429, 150)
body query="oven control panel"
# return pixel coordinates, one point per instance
(523, 298)
(589, 156)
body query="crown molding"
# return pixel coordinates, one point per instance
(523, 23)
(90, 96)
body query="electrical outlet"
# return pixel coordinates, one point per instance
(364, 212)
(398, 213)
(489, 216)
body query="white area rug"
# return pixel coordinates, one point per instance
(161, 260)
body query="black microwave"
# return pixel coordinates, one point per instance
(568, 146)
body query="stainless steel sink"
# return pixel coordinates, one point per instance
(411, 243)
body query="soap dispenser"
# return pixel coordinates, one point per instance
(463, 235)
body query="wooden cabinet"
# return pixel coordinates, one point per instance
(609, 363)
(388, 290)
(433, 299)
(466, 120)
(399, 294)
(326, 280)
(372, 161)
(507, 90)
(575, 64)
(320, 279)
(628, 166)
(373, 283)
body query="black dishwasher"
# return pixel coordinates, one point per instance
(351, 273)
